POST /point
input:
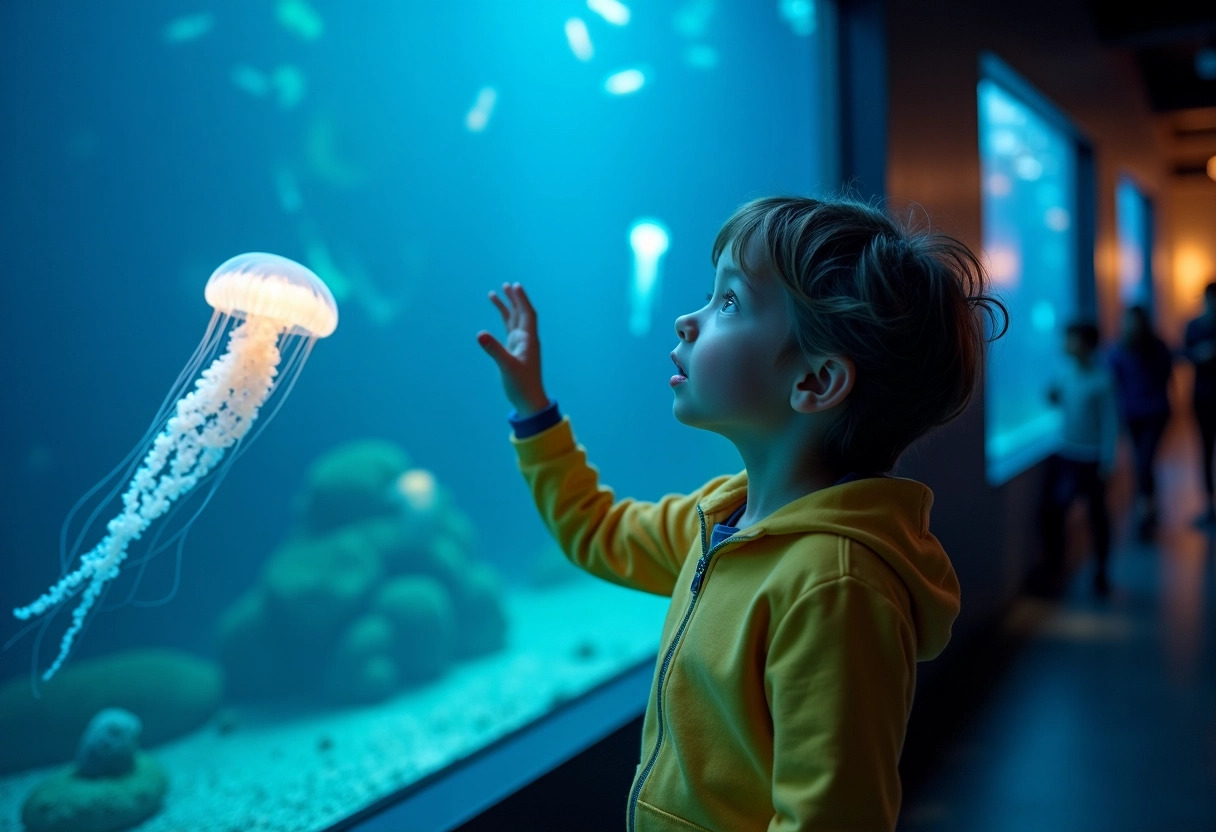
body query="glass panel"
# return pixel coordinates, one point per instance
(1135, 242)
(367, 593)
(1028, 167)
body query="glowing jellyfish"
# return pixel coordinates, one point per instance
(269, 307)
(625, 81)
(799, 15)
(479, 116)
(290, 85)
(251, 80)
(613, 11)
(579, 39)
(300, 19)
(649, 241)
(189, 27)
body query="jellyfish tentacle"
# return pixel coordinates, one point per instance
(211, 418)
(206, 349)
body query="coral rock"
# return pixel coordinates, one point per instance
(67, 802)
(172, 693)
(108, 746)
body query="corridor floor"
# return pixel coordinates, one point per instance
(1094, 714)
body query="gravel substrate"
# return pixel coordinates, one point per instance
(258, 769)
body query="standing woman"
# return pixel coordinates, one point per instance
(1142, 364)
(1200, 348)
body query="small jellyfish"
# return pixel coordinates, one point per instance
(299, 18)
(479, 115)
(625, 82)
(579, 39)
(251, 80)
(187, 28)
(289, 84)
(269, 307)
(649, 241)
(613, 11)
(799, 15)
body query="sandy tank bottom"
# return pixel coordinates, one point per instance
(302, 772)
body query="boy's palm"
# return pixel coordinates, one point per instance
(519, 359)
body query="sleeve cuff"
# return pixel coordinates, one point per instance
(537, 422)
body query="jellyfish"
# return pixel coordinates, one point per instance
(649, 241)
(268, 307)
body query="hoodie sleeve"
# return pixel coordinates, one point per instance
(636, 544)
(839, 678)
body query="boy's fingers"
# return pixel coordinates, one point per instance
(506, 313)
(492, 346)
(527, 315)
(524, 302)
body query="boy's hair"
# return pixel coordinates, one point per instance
(1087, 331)
(1209, 291)
(900, 303)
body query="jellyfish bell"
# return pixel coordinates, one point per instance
(273, 288)
(272, 311)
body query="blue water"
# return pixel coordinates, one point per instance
(147, 144)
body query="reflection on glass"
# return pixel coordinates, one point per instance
(1134, 242)
(1029, 173)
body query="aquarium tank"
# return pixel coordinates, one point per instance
(1030, 205)
(1134, 229)
(268, 557)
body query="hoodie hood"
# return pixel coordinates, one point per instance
(889, 516)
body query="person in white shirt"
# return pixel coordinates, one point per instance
(1085, 393)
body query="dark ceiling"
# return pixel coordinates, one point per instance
(1174, 45)
(1166, 36)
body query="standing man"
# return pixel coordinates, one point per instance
(1200, 348)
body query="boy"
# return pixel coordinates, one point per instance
(806, 587)
(1085, 392)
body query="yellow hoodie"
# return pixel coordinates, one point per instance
(785, 679)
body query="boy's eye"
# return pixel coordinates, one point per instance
(728, 297)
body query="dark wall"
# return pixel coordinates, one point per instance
(933, 54)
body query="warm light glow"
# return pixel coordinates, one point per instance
(1193, 268)
(1212, 168)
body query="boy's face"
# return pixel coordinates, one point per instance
(729, 348)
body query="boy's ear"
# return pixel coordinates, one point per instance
(827, 385)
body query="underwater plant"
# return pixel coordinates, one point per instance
(267, 305)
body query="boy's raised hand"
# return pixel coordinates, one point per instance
(519, 360)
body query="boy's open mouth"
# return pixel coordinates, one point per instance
(679, 366)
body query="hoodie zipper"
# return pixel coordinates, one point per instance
(697, 580)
